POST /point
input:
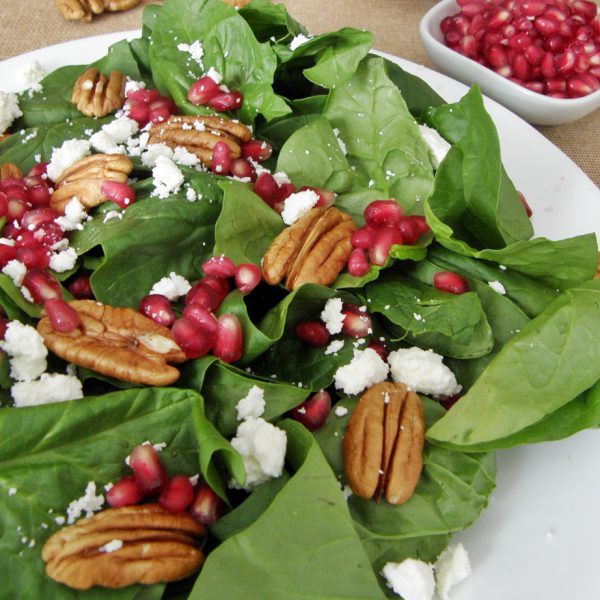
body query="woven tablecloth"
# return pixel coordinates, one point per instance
(30, 24)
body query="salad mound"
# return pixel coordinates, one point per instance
(442, 287)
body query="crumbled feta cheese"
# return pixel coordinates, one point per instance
(167, 177)
(26, 349)
(16, 270)
(280, 177)
(112, 214)
(252, 404)
(298, 204)
(423, 371)
(214, 75)
(497, 287)
(89, 503)
(451, 567)
(190, 194)
(31, 75)
(63, 261)
(110, 138)
(184, 157)
(340, 411)
(153, 152)
(50, 387)
(172, 287)
(12, 491)
(133, 86)
(340, 141)
(111, 546)
(364, 370)
(262, 447)
(332, 315)
(26, 294)
(438, 147)
(334, 347)
(74, 216)
(298, 41)
(412, 579)
(195, 50)
(68, 154)
(9, 110)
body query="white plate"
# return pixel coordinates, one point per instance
(540, 536)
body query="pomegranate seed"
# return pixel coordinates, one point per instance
(461, 23)
(326, 197)
(194, 340)
(124, 493)
(26, 239)
(157, 308)
(584, 8)
(473, 9)
(498, 18)
(555, 13)
(13, 182)
(581, 85)
(468, 46)
(565, 62)
(521, 67)
(447, 281)
(206, 506)
(409, 229)
(356, 324)
(225, 101)
(358, 265)
(204, 295)
(534, 54)
(313, 412)
(313, 333)
(383, 213)
(81, 288)
(525, 204)
(363, 237)
(138, 111)
(228, 343)
(31, 256)
(41, 285)
(382, 242)
(554, 44)
(160, 110)
(38, 169)
(221, 159)
(3, 326)
(219, 266)
(217, 284)
(203, 90)
(39, 195)
(119, 193)
(533, 8)
(242, 169)
(380, 348)
(257, 150)
(582, 63)
(177, 495)
(196, 313)
(556, 85)
(149, 473)
(62, 316)
(143, 95)
(449, 401)
(545, 26)
(421, 223)
(446, 24)
(247, 277)
(547, 66)
(535, 86)
(477, 26)
(16, 208)
(266, 187)
(7, 253)
(35, 217)
(519, 41)
(49, 234)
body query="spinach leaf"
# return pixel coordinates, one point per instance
(270, 21)
(552, 360)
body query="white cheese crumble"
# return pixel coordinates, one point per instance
(252, 404)
(412, 579)
(340, 411)
(451, 567)
(74, 216)
(214, 75)
(111, 546)
(364, 370)
(112, 136)
(195, 50)
(334, 347)
(423, 371)
(262, 448)
(298, 41)
(89, 503)
(9, 110)
(26, 349)
(184, 157)
(280, 177)
(63, 261)
(50, 387)
(332, 315)
(497, 287)
(67, 155)
(112, 214)
(31, 75)
(167, 177)
(438, 147)
(16, 270)
(172, 287)
(153, 152)
(340, 141)
(133, 86)
(297, 205)
(12, 491)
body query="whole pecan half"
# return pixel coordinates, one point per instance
(84, 179)
(96, 95)
(10, 171)
(117, 342)
(314, 249)
(149, 545)
(199, 134)
(383, 443)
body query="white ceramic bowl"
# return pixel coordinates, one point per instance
(531, 106)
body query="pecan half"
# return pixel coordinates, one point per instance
(383, 443)
(199, 134)
(10, 171)
(96, 95)
(153, 545)
(117, 342)
(84, 179)
(314, 249)
(79, 10)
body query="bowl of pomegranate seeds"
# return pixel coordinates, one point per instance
(539, 58)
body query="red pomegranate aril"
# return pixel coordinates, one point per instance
(473, 9)
(409, 229)
(39, 169)
(519, 41)
(219, 285)
(547, 66)
(160, 110)
(49, 234)
(219, 266)
(534, 54)
(326, 197)
(421, 223)
(119, 193)
(35, 217)
(584, 8)
(143, 95)
(242, 169)
(380, 348)
(313, 412)
(11, 230)
(446, 24)
(363, 237)
(477, 26)
(581, 85)
(204, 295)
(206, 506)
(313, 333)
(556, 13)
(13, 182)
(382, 242)
(449, 401)
(545, 25)
(221, 159)
(16, 208)
(81, 288)
(468, 46)
(461, 23)
(521, 67)
(582, 63)
(7, 253)
(196, 313)
(357, 325)
(383, 213)
(41, 285)
(138, 111)
(158, 308)
(565, 62)
(229, 340)
(285, 190)
(247, 277)
(39, 195)
(31, 256)
(225, 101)
(62, 316)
(358, 265)
(177, 494)
(203, 90)
(257, 150)
(453, 37)
(266, 187)
(554, 44)
(26, 239)
(149, 473)
(194, 340)
(535, 86)
(447, 281)
(498, 18)
(3, 325)
(124, 492)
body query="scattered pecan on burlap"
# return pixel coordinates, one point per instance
(84, 10)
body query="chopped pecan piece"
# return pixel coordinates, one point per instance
(117, 342)
(10, 171)
(314, 249)
(122, 546)
(199, 134)
(84, 179)
(383, 443)
(96, 95)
